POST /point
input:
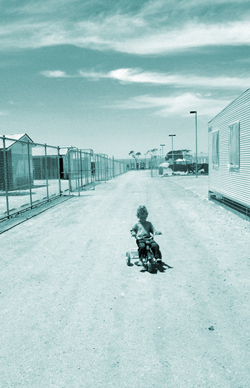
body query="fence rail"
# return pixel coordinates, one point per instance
(33, 173)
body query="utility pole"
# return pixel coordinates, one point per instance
(162, 145)
(172, 136)
(196, 152)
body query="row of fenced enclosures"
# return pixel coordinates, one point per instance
(32, 173)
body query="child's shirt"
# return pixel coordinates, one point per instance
(143, 230)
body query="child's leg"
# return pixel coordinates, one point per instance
(156, 250)
(141, 248)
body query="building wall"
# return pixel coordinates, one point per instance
(18, 163)
(140, 164)
(41, 171)
(231, 182)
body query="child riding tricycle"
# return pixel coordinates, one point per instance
(148, 250)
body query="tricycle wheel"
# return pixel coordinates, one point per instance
(151, 267)
(128, 258)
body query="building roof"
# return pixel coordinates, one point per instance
(13, 138)
(231, 103)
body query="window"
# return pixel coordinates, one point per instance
(215, 149)
(234, 146)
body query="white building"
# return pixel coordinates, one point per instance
(229, 154)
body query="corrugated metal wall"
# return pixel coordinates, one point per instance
(231, 183)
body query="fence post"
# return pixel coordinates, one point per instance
(101, 162)
(81, 171)
(78, 171)
(105, 167)
(97, 164)
(96, 174)
(113, 166)
(6, 177)
(69, 165)
(93, 158)
(46, 171)
(87, 168)
(101, 170)
(29, 166)
(84, 165)
(59, 171)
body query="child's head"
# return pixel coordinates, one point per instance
(142, 212)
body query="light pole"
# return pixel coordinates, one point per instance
(162, 145)
(196, 154)
(172, 150)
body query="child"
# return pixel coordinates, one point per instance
(144, 229)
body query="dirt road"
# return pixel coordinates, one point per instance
(73, 315)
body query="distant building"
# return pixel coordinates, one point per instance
(229, 154)
(18, 162)
(136, 164)
(46, 165)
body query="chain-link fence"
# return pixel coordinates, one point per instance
(32, 173)
(154, 165)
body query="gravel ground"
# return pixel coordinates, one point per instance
(74, 315)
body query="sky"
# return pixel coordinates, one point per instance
(120, 75)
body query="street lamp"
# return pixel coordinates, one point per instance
(162, 145)
(196, 155)
(172, 150)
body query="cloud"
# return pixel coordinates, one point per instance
(54, 74)
(176, 104)
(93, 75)
(180, 104)
(187, 80)
(134, 37)
(149, 31)
(128, 75)
(188, 37)
(28, 34)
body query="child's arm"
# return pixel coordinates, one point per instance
(133, 231)
(154, 231)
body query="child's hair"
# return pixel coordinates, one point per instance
(142, 210)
